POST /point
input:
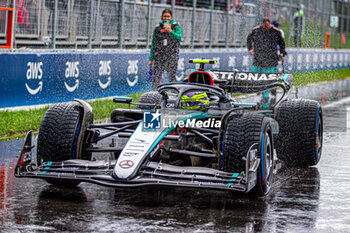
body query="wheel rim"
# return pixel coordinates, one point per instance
(319, 138)
(268, 157)
(266, 163)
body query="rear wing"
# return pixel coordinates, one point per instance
(234, 81)
(250, 82)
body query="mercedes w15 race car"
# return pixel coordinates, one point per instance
(191, 134)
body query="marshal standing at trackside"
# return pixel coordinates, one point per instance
(165, 48)
(262, 43)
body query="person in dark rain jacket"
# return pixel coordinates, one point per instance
(165, 46)
(262, 43)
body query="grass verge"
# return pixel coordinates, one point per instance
(16, 123)
(303, 78)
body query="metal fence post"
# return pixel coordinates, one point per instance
(322, 23)
(315, 23)
(54, 26)
(121, 23)
(211, 25)
(133, 24)
(306, 42)
(347, 25)
(342, 23)
(172, 5)
(335, 29)
(97, 17)
(14, 20)
(92, 2)
(300, 30)
(227, 22)
(288, 30)
(193, 22)
(242, 26)
(330, 29)
(148, 24)
(328, 23)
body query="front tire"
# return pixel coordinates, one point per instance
(240, 134)
(58, 135)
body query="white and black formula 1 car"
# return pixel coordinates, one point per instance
(191, 134)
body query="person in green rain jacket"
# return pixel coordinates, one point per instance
(165, 46)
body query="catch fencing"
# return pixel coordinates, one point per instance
(120, 24)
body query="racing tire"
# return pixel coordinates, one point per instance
(58, 135)
(300, 138)
(240, 134)
(152, 97)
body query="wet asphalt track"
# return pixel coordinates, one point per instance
(316, 199)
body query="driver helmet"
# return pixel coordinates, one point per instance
(192, 100)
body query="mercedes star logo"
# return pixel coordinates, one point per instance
(126, 164)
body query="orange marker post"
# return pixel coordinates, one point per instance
(327, 40)
(9, 27)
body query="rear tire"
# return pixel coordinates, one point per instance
(240, 134)
(152, 97)
(58, 135)
(299, 143)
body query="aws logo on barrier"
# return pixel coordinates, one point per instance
(72, 72)
(34, 72)
(105, 70)
(132, 71)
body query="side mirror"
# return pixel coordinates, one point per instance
(122, 100)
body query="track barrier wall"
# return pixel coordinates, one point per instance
(43, 78)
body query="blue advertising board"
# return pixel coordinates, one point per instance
(41, 78)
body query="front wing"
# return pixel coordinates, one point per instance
(151, 173)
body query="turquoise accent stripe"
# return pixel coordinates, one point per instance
(245, 104)
(43, 172)
(48, 164)
(161, 136)
(285, 77)
(234, 175)
(122, 97)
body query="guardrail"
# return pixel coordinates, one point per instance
(42, 78)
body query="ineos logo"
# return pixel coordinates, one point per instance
(126, 164)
